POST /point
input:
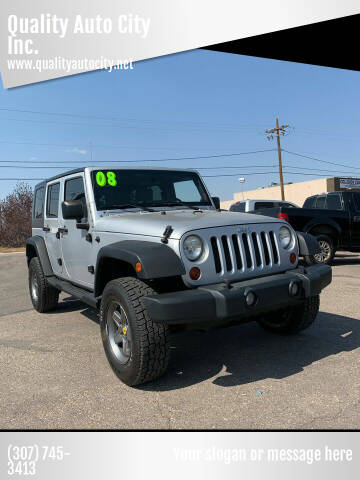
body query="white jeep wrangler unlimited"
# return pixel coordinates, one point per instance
(153, 251)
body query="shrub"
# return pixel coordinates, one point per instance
(15, 216)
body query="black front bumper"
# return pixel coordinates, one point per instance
(221, 302)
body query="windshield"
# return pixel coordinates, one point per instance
(129, 188)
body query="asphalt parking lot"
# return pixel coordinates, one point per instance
(54, 374)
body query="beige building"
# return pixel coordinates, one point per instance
(296, 192)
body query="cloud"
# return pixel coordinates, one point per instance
(78, 151)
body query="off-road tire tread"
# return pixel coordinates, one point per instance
(154, 337)
(48, 296)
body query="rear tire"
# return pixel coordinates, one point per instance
(137, 349)
(327, 251)
(43, 296)
(292, 319)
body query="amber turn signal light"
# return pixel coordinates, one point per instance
(293, 257)
(138, 266)
(195, 273)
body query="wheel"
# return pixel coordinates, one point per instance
(292, 319)
(136, 348)
(44, 297)
(327, 251)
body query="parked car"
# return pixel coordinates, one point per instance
(333, 218)
(154, 253)
(253, 205)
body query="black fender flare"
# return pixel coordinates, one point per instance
(308, 245)
(38, 243)
(157, 260)
(326, 222)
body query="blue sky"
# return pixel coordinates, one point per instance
(190, 104)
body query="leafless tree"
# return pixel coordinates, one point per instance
(15, 216)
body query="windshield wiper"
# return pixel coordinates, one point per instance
(131, 205)
(173, 204)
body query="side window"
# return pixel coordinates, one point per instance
(38, 211)
(309, 202)
(320, 202)
(52, 204)
(356, 200)
(74, 190)
(333, 202)
(260, 205)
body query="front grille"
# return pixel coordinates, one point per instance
(244, 252)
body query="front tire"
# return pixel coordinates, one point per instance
(43, 296)
(292, 319)
(326, 256)
(136, 348)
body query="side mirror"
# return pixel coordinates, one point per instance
(72, 210)
(216, 201)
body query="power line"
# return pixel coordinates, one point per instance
(326, 172)
(318, 169)
(319, 160)
(167, 125)
(204, 176)
(265, 173)
(196, 168)
(119, 119)
(86, 145)
(144, 160)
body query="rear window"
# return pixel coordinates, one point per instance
(333, 202)
(38, 211)
(320, 202)
(284, 204)
(52, 204)
(261, 205)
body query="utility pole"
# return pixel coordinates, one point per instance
(278, 131)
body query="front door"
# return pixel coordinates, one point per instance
(51, 225)
(76, 243)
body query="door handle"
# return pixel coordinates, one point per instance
(61, 230)
(46, 229)
(356, 219)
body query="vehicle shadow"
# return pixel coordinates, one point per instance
(71, 304)
(346, 259)
(246, 353)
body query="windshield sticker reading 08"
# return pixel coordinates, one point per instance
(103, 179)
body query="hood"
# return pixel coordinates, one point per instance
(182, 221)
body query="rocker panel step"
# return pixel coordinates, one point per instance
(77, 292)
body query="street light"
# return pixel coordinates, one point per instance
(242, 181)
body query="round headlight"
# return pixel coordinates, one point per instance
(285, 237)
(193, 247)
